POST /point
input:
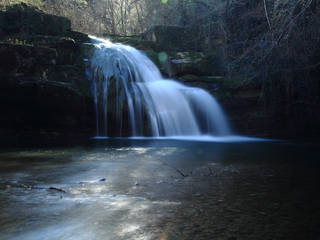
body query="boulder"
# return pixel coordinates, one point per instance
(177, 64)
(25, 19)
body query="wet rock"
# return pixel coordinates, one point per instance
(135, 41)
(136, 184)
(78, 36)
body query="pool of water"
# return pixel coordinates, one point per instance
(142, 189)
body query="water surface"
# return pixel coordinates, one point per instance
(159, 189)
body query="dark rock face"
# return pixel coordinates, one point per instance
(42, 91)
(43, 84)
(26, 61)
(292, 99)
(24, 19)
(34, 106)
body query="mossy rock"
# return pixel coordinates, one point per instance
(177, 64)
(196, 63)
(25, 19)
(78, 36)
(168, 38)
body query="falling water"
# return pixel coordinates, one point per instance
(133, 99)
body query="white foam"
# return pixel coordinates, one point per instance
(203, 138)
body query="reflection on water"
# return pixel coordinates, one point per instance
(116, 189)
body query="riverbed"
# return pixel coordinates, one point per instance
(160, 189)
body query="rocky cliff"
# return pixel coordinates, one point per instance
(44, 88)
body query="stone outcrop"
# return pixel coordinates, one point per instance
(43, 83)
(26, 20)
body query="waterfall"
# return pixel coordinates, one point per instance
(133, 99)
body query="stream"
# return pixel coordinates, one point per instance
(160, 189)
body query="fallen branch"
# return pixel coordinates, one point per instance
(176, 169)
(58, 189)
(267, 16)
